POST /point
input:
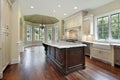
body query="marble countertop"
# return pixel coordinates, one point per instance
(63, 44)
(103, 43)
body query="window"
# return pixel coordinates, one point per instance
(56, 34)
(108, 27)
(39, 34)
(103, 27)
(36, 33)
(29, 33)
(49, 30)
(115, 26)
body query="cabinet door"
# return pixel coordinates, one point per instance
(94, 52)
(86, 27)
(87, 49)
(75, 57)
(60, 55)
(117, 55)
(52, 53)
(5, 49)
(48, 51)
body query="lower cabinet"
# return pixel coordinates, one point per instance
(60, 57)
(101, 53)
(87, 48)
(117, 55)
(75, 58)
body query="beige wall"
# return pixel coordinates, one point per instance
(15, 32)
(106, 8)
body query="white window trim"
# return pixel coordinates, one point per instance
(110, 35)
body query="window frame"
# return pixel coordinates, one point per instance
(110, 39)
(118, 23)
(102, 26)
(31, 34)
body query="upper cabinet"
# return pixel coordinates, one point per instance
(86, 26)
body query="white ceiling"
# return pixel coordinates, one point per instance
(47, 7)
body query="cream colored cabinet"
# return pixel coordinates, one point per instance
(4, 36)
(102, 53)
(86, 27)
(5, 49)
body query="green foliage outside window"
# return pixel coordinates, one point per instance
(29, 33)
(103, 27)
(115, 24)
(39, 34)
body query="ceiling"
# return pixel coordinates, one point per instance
(40, 19)
(59, 8)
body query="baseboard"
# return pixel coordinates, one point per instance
(14, 61)
(1, 73)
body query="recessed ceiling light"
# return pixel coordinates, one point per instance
(75, 7)
(65, 14)
(32, 7)
(59, 6)
(54, 11)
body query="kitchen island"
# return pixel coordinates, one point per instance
(68, 57)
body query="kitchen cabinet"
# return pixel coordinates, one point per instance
(4, 36)
(102, 53)
(60, 57)
(117, 55)
(87, 48)
(86, 27)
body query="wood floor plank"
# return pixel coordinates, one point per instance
(34, 65)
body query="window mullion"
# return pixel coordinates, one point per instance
(118, 26)
(110, 28)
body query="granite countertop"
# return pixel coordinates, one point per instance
(63, 44)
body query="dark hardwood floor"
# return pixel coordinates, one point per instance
(35, 66)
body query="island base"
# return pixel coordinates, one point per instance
(66, 59)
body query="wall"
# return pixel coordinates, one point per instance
(106, 8)
(15, 32)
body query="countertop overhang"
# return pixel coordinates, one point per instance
(63, 44)
(103, 43)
